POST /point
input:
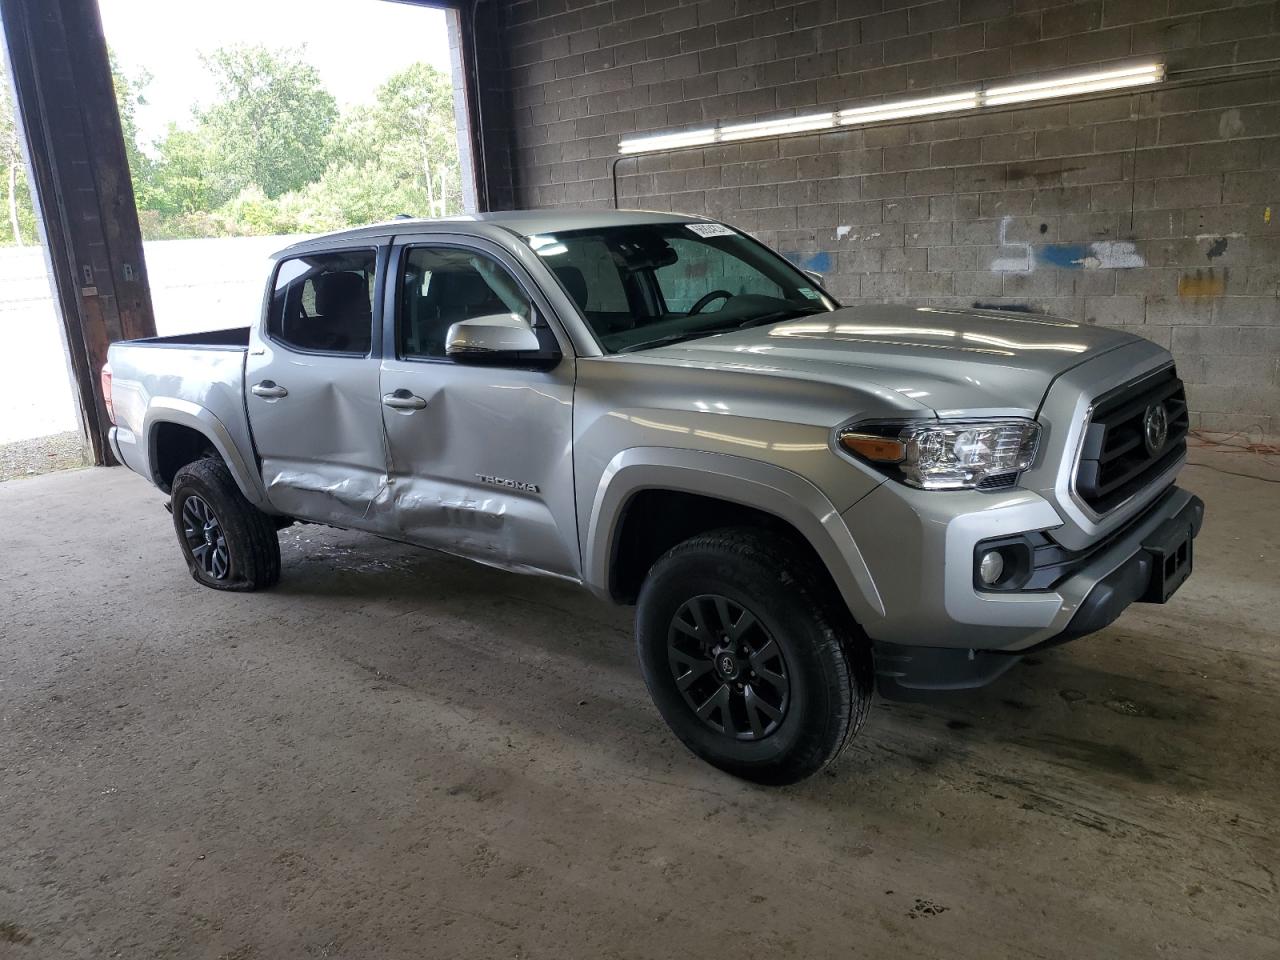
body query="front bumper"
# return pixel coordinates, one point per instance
(942, 633)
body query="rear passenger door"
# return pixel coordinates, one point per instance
(311, 387)
(481, 456)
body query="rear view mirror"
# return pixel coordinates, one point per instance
(646, 251)
(500, 338)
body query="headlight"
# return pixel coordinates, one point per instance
(942, 455)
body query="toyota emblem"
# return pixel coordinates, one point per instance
(1155, 428)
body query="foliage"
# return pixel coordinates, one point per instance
(269, 127)
(180, 180)
(130, 94)
(18, 223)
(274, 154)
(410, 130)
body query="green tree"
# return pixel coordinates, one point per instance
(180, 181)
(270, 157)
(19, 222)
(130, 94)
(270, 127)
(405, 145)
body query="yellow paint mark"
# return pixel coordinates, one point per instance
(1202, 283)
(1266, 215)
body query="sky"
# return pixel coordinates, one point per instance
(354, 51)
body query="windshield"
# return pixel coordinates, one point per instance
(651, 284)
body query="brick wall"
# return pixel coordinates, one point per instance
(1157, 212)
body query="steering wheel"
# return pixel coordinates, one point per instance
(703, 301)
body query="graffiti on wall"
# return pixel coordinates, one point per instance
(1015, 256)
(816, 262)
(1199, 284)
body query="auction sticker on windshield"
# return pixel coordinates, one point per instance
(711, 229)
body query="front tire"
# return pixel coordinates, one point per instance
(228, 543)
(750, 656)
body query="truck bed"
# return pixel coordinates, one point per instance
(193, 380)
(235, 337)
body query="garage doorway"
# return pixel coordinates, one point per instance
(246, 126)
(251, 125)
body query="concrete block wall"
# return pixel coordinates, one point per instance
(1154, 212)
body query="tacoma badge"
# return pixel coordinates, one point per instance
(509, 484)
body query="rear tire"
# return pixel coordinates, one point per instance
(228, 543)
(751, 657)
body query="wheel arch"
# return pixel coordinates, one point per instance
(179, 432)
(723, 487)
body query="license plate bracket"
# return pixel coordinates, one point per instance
(1170, 546)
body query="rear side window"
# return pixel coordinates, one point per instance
(323, 302)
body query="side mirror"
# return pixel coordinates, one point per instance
(501, 338)
(816, 277)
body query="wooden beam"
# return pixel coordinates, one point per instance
(79, 172)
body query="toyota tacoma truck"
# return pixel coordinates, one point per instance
(805, 502)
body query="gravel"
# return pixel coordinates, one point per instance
(29, 458)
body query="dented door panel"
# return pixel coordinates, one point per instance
(316, 414)
(321, 446)
(485, 468)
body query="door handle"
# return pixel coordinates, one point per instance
(268, 389)
(403, 400)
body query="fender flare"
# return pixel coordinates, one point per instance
(184, 413)
(751, 483)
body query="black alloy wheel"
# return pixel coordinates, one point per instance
(750, 655)
(727, 666)
(228, 543)
(205, 538)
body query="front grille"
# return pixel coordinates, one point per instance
(1116, 460)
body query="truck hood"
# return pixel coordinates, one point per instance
(952, 361)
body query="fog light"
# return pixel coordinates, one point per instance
(991, 567)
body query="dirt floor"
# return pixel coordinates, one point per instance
(398, 754)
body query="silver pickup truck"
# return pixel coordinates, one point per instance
(804, 501)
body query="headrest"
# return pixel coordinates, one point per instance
(341, 292)
(463, 288)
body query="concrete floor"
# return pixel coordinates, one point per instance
(397, 754)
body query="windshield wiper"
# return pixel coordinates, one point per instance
(779, 315)
(773, 317)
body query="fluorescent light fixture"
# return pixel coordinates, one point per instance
(1070, 85)
(776, 128)
(1063, 86)
(910, 108)
(669, 141)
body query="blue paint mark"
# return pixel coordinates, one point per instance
(819, 262)
(1068, 256)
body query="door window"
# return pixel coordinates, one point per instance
(441, 286)
(323, 302)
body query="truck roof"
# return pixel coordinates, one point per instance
(524, 223)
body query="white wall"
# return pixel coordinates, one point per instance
(195, 285)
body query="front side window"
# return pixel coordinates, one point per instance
(650, 284)
(323, 302)
(443, 285)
